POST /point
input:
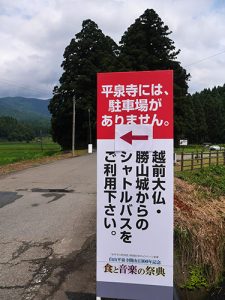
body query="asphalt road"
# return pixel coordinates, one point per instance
(47, 231)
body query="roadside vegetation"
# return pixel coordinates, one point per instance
(11, 152)
(14, 130)
(194, 148)
(212, 178)
(189, 149)
(200, 228)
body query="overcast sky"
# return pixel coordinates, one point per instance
(34, 34)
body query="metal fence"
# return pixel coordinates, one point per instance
(198, 160)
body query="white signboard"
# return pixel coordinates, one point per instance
(135, 186)
(183, 142)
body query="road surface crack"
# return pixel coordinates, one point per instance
(53, 272)
(41, 274)
(22, 248)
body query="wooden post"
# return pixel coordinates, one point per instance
(197, 156)
(182, 161)
(192, 160)
(201, 159)
(217, 157)
(210, 156)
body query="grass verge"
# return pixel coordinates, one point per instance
(200, 227)
(36, 161)
(15, 152)
(212, 178)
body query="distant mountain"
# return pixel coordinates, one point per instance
(26, 109)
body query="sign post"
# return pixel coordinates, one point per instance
(135, 185)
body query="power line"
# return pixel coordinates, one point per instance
(203, 59)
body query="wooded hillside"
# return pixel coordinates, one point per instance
(204, 116)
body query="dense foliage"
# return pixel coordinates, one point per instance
(13, 130)
(30, 112)
(204, 121)
(144, 46)
(88, 53)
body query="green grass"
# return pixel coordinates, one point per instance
(196, 279)
(14, 152)
(212, 178)
(194, 148)
(190, 148)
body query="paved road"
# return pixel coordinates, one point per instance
(47, 231)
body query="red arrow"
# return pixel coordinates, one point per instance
(129, 137)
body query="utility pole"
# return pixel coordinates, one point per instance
(41, 140)
(89, 119)
(73, 130)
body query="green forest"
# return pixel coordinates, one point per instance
(22, 119)
(204, 116)
(13, 130)
(145, 45)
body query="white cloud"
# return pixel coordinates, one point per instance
(35, 33)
